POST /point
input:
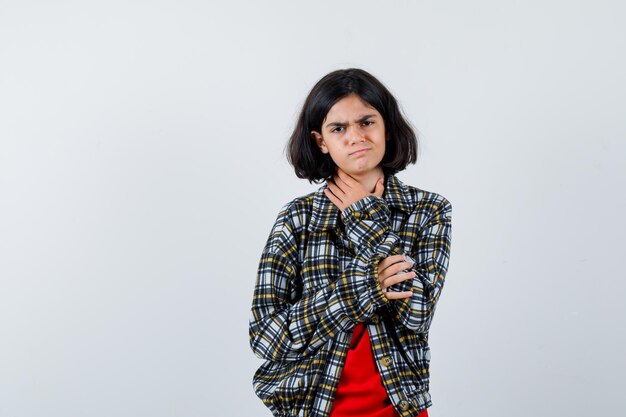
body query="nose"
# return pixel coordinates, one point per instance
(354, 134)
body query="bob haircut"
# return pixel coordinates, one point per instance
(303, 153)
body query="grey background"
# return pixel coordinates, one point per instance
(141, 169)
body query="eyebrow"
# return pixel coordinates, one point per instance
(360, 119)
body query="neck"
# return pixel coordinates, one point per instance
(368, 179)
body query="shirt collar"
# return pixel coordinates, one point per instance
(325, 213)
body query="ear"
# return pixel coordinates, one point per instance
(319, 141)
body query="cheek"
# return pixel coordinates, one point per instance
(383, 147)
(335, 157)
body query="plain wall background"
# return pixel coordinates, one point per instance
(142, 167)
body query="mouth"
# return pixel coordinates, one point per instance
(360, 151)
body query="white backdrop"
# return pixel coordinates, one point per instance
(142, 166)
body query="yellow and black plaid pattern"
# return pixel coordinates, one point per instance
(317, 278)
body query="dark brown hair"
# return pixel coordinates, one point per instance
(303, 153)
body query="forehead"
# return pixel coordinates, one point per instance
(350, 106)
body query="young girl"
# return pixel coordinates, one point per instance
(350, 274)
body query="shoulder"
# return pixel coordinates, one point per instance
(295, 212)
(291, 221)
(428, 204)
(429, 198)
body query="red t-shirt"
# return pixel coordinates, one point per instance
(361, 392)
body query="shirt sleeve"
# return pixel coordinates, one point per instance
(368, 225)
(285, 325)
(431, 253)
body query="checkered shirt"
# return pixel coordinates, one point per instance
(317, 278)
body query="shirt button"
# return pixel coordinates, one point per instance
(375, 319)
(386, 360)
(404, 405)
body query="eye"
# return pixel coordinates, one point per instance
(368, 121)
(335, 129)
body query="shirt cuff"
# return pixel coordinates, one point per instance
(371, 207)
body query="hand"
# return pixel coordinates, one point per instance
(343, 189)
(388, 275)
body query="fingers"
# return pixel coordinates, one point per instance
(336, 201)
(395, 268)
(391, 295)
(396, 295)
(391, 275)
(379, 189)
(391, 260)
(343, 186)
(345, 182)
(394, 279)
(334, 190)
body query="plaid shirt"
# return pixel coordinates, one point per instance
(317, 278)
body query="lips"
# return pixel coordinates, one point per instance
(360, 151)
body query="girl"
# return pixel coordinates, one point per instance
(350, 274)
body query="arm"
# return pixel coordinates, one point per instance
(284, 329)
(432, 254)
(368, 226)
(431, 251)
